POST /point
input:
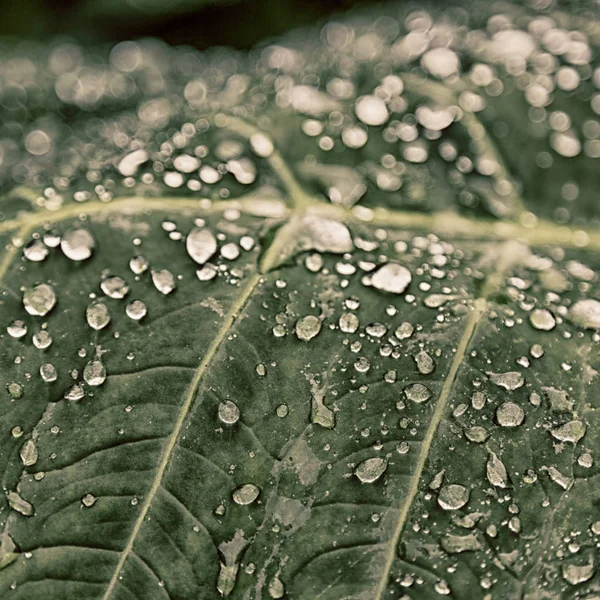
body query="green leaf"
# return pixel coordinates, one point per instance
(244, 356)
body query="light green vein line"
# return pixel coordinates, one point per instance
(282, 239)
(251, 205)
(508, 255)
(228, 322)
(297, 194)
(445, 94)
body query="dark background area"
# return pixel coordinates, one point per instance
(198, 23)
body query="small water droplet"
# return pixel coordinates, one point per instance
(308, 327)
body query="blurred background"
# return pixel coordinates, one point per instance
(198, 23)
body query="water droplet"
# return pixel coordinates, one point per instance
(230, 251)
(130, 163)
(376, 330)
(371, 469)
(74, 393)
(163, 281)
(229, 412)
(477, 434)
(453, 496)
(261, 145)
(308, 327)
(19, 504)
(371, 110)
(40, 300)
(94, 373)
(29, 453)
(509, 414)
(454, 544)
(201, 244)
(576, 574)
(282, 411)
(15, 390)
(138, 265)
(542, 319)
(404, 331)
(97, 315)
(586, 314)
(207, 272)
(425, 363)
(17, 329)
(572, 432)
(136, 310)
(48, 372)
(35, 250)
(417, 392)
(246, 494)
(89, 500)
(114, 287)
(496, 471)
(77, 244)
(349, 322)
(510, 381)
(391, 277)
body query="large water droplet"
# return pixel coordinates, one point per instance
(40, 300)
(453, 496)
(163, 281)
(308, 327)
(229, 412)
(509, 414)
(245, 494)
(391, 277)
(371, 469)
(542, 319)
(201, 244)
(114, 287)
(77, 244)
(94, 373)
(586, 314)
(97, 315)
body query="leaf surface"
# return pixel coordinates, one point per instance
(331, 370)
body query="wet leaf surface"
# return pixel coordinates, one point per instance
(317, 322)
